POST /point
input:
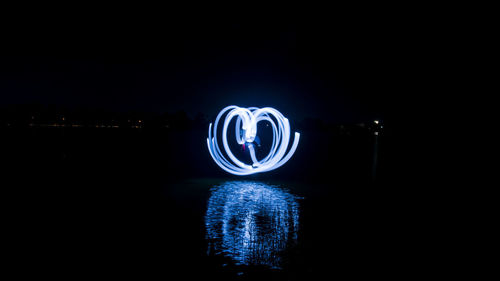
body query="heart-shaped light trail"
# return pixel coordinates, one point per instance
(246, 131)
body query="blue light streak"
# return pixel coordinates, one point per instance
(246, 123)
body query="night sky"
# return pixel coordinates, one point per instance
(340, 70)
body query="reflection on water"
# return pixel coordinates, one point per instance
(251, 222)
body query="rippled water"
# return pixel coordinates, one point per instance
(252, 223)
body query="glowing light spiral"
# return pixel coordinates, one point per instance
(246, 132)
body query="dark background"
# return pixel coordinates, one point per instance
(349, 67)
(86, 200)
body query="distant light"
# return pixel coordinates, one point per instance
(376, 121)
(246, 123)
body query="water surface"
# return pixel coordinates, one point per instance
(251, 222)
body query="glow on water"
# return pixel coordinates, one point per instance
(251, 222)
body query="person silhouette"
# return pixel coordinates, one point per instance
(248, 144)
